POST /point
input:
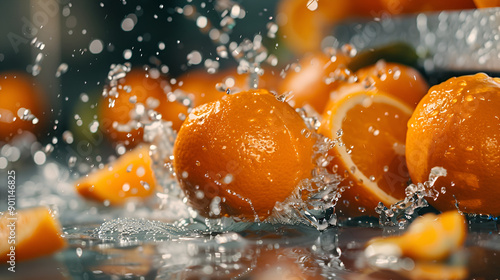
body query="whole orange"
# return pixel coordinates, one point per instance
(399, 80)
(309, 85)
(241, 154)
(18, 94)
(457, 126)
(138, 88)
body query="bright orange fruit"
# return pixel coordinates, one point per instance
(310, 85)
(241, 154)
(456, 126)
(18, 91)
(36, 234)
(371, 156)
(428, 238)
(130, 176)
(138, 87)
(396, 79)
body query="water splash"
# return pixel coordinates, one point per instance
(403, 212)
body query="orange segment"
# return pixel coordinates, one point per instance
(309, 85)
(37, 234)
(371, 159)
(396, 79)
(241, 154)
(428, 238)
(456, 126)
(130, 176)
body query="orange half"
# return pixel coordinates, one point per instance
(371, 154)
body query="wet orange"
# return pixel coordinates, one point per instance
(18, 91)
(429, 238)
(371, 157)
(303, 26)
(310, 84)
(138, 87)
(241, 154)
(36, 234)
(396, 79)
(130, 176)
(456, 126)
(487, 3)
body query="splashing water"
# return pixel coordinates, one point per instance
(403, 212)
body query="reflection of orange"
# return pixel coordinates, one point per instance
(456, 127)
(396, 79)
(35, 231)
(303, 29)
(18, 91)
(246, 151)
(310, 85)
(130, 176)
(487, 3)
(138, 87)
(428, 238)
(372, 158)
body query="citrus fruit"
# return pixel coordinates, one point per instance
(241, 154)
(130, 176)
(429, 238)
(35, 231)
(371, 155)
(396, 79)
(142, 90)
(487, 3)
(310, 84)
(21, 105)
(304, 24)
(456, 127)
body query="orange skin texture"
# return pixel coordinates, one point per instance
(370, 152)
(143, 87)
(396, 79)
(456, 127)
(308, 85)
(253, 137)
(487, 3)
(133, 168)
(37, 234)
(17, 90)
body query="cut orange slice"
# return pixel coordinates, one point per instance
(130, 176)
(29, 234)
(371, 155)
(428, 238)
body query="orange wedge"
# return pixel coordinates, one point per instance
(429, 238)
(130, 176)
(371, 156)
(35, 233)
